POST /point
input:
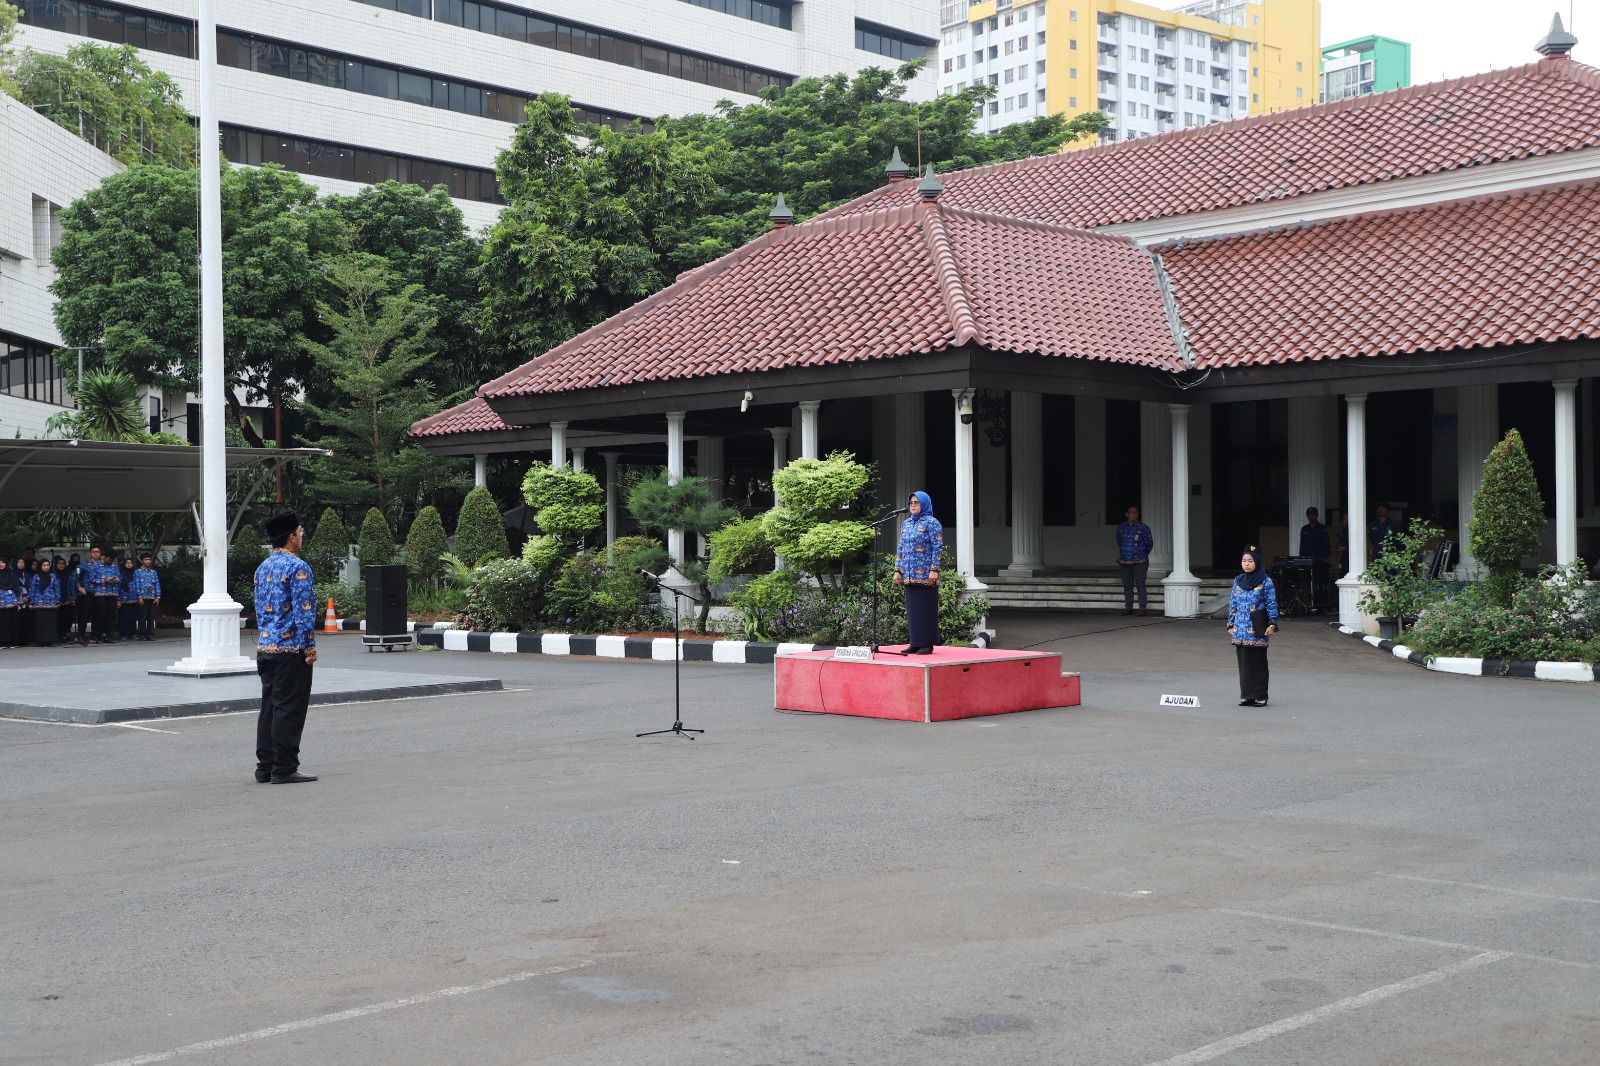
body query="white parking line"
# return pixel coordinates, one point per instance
(141, 728)
(344, 1015)
(1299, 1021)
(1493, 888)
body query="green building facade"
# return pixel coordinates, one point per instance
(1365, 65)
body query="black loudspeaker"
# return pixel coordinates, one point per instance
(386, 600)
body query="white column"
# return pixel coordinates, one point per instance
(910, 445)
(674, 474)
(1307, 463)
(780, 459)
(577, 459)
(809, 442)
(1180, 590)
(480, 470)
(708, 464)
(1566, 470)
(1477, 432)
(1155, 482)
(1355, 503)
(214, 619)
(1027, 484)
(611, 495)
(558, 445)
(966, 520)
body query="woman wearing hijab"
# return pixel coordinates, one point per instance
(916, 569)
(127, 597)
(67, 612)
(12, 593)
(1252, 619)
(44, 597)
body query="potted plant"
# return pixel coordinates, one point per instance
(1398, 578)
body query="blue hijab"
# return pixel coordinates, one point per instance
(922, 498)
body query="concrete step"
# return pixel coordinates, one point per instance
(1079, 592)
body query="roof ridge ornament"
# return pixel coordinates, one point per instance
(897, 168)
(1558, 42)
(929, 187)
(780, 215)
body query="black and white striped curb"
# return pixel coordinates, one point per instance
(1541, 670)
(353, 624)
(610, 646)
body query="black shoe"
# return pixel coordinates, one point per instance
(293, 779)
(262, 778)
(1247, 703)
(922, 651)
(1260, 703)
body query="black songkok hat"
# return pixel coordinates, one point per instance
(281, 525)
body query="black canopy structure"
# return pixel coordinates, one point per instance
(92, 475)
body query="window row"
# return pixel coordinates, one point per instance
(770, 14)
(111, 22)
(281, 59)
(871, 37)
(321, 159)
(28, 371)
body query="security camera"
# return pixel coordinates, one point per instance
(744, 404)
(967, 418)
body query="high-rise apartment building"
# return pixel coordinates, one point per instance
(1365, 65)
(428, 91)
(1149, 69)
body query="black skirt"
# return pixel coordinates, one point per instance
(8, 626)
(44, 625)
(922, 615)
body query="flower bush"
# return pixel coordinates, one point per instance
(1554, 617)
(553, 589)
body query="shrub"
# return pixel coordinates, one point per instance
(544, 552)
(1397, 573)
(244, 555)
(425, 544)
(739, 548)
(1508, 516)
(636, 551)
(566, 502)
(375, 546)
(182, 581)
(328, 547)
(349, 599)
(805, 527)
(769, 606)
(480, 533)
(507, 597)
(1556, 617)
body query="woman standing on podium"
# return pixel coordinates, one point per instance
(916, 569)
(1252, 619)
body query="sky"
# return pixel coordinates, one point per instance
(1452, 38)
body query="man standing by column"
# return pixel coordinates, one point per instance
(1134, 542)
(286, 619)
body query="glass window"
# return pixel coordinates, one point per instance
(416, 88)
(511, 24)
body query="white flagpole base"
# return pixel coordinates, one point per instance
(214, 624)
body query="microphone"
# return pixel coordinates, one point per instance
(898, 510)
(642, 572)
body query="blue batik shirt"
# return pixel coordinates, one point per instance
(286, 609)
(101, 579)
(45, 590)
(1241, 601)
(147, 584)
(921, 543)
(1134, 542)
(127, 591)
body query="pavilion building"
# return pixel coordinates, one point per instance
(1331, 306)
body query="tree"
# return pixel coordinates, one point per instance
(425, 545)
(108, 409)
(586, 225)
(567, 503)
(659, 504)
(1508, 516)
(8, 34)
(804, 527)
(375, 545)
(328, 547)
(127, 281)
(111, 98)
(480, 532)
(372, 364)
(420, 233)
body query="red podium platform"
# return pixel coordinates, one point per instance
(951, 683)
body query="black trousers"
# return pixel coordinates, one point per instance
(1253, 672)
(127, 618)
(1133, 579)
(105, 617)
(285, 694)
(922, 615)
(84, 610)
(145, 618)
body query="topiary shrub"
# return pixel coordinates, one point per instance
(425, 544)
(480, 533)
(375, 546)
(1508, 516)
(328, 547)
(739, 548)
(567, 503)
(805, 527)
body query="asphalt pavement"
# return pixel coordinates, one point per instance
(1383, 866)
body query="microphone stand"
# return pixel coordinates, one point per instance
(891, 516)
(677, 657)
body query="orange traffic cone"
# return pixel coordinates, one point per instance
(332, 624)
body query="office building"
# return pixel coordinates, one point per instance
(1365, 65)
(1149, 69)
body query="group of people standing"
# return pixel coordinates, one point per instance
(42, 601)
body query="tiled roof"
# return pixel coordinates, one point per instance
(474, 416)
(1517, 268)
(1545, 107)
(910, 279)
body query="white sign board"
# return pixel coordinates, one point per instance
(1180, 701)
(853, 654)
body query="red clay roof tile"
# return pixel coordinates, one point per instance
(474, 416)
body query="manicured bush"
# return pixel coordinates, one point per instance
(375, 545)
(805, 527)
(567, 503)
(349, 599)
(1508, 516)
(739, 547)
(425, 544)
(507, 597)
(480, 533)
(1554, 617)
(328, 547)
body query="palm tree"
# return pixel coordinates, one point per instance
(108, 408)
